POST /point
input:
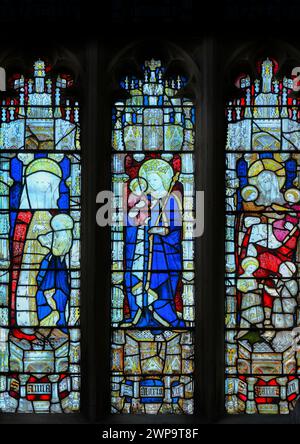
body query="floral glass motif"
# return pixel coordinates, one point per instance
(262, 246)
(39, 246)
(152, 308)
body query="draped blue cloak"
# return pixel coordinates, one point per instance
(165, 268)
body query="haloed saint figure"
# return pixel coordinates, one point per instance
(270, 227)
(153, 247)
(42, 239)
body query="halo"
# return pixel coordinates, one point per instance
(138, 186)
(249, 261)
(156, 166)
(292, 195)
(44, 165)
(249, 193)
(266, 165)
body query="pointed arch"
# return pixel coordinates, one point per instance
(40, 220)
(262, 265)
(153, 308)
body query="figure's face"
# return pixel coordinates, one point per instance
(251, 269)
(62, 242)
(39, 182)
(62, 226)
(43, 190)
(155, 182)
(266, 180)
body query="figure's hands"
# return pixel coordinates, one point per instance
(46, 240)
(272, 291)
(138, 209)
(161, 231)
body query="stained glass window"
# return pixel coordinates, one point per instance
(262, 245)
(39, 245)
(152, 307)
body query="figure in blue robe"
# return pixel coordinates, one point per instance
(151, 291)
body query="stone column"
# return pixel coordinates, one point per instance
(25, 406)
(55, 406)
(250, 404)
(187, 180)
(283, 404)
(118, 217)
